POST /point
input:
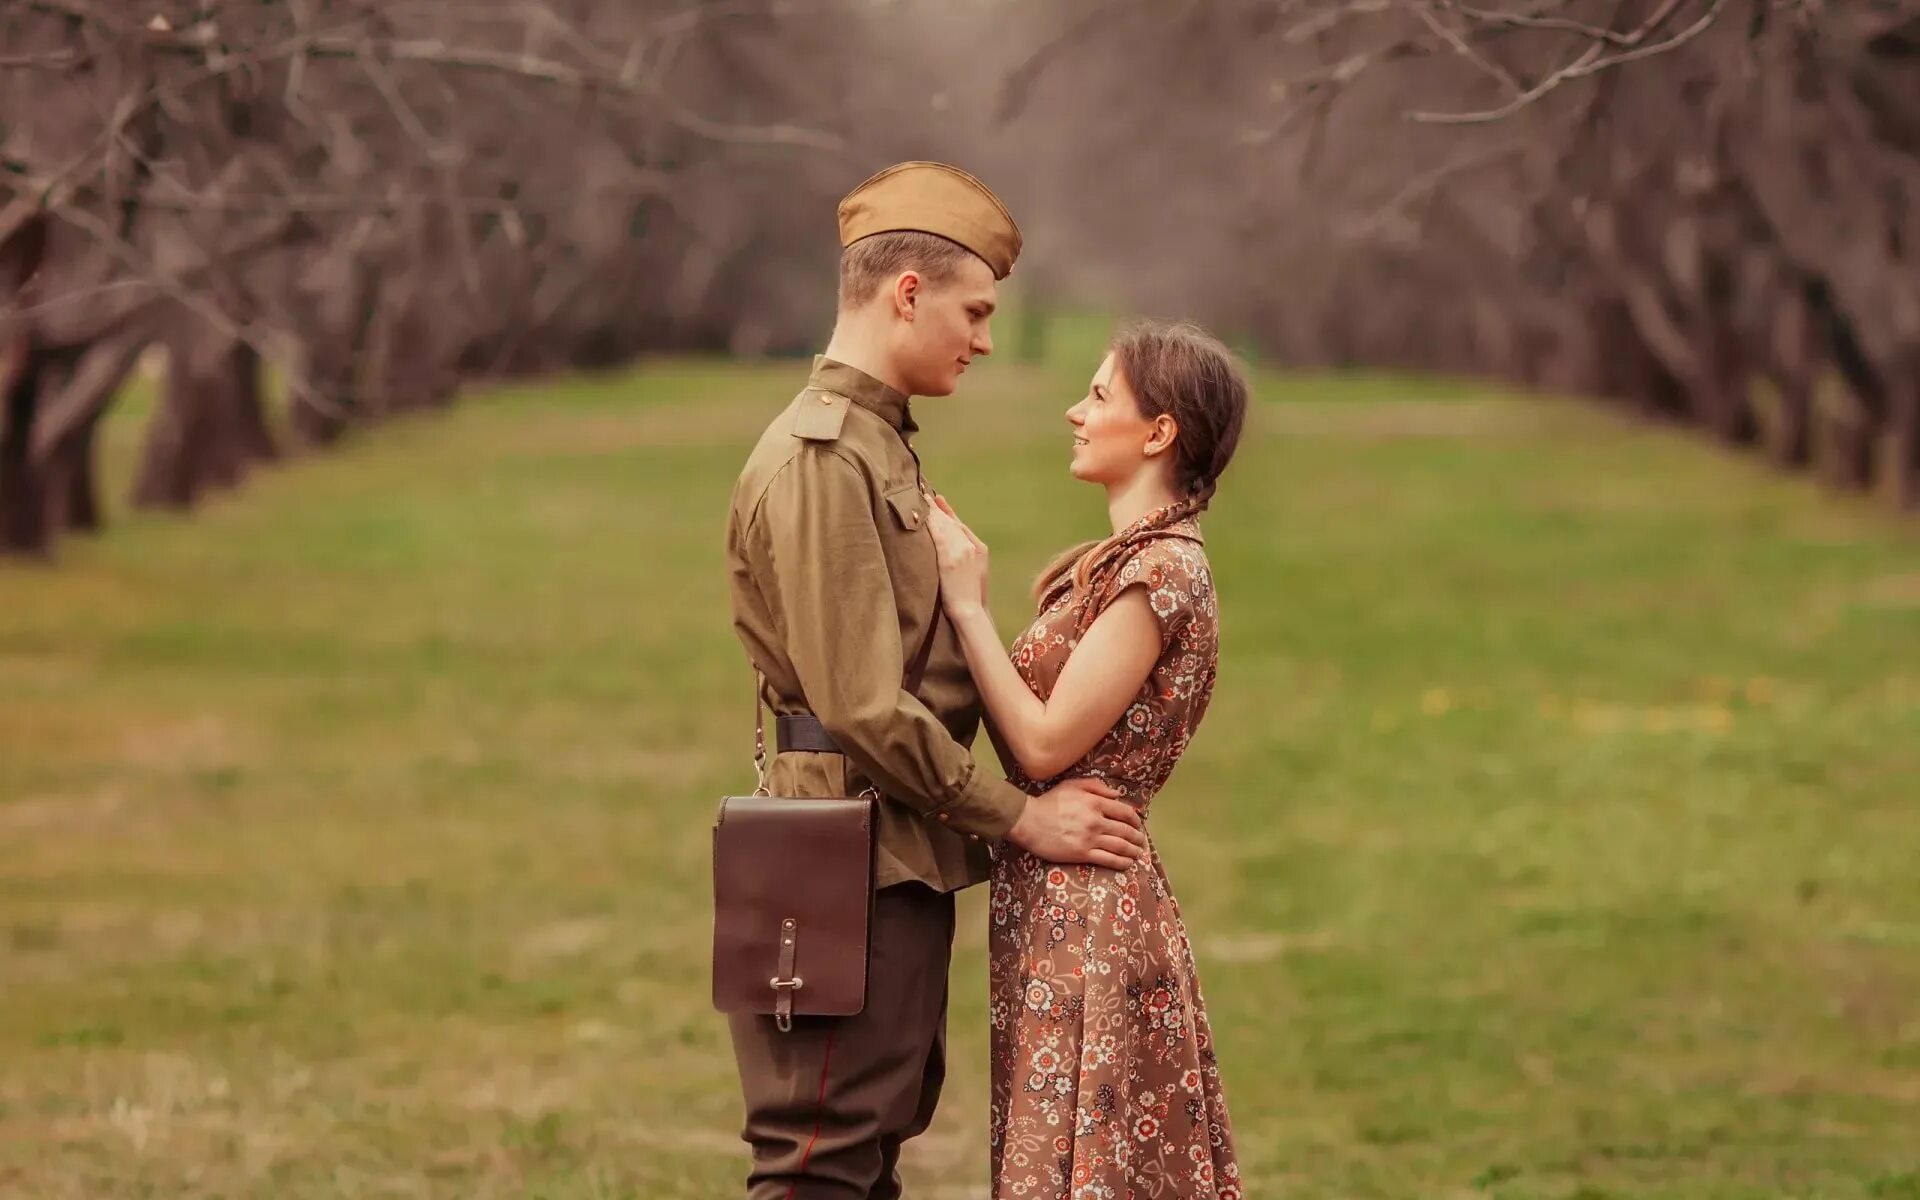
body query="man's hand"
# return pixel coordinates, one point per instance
(1081, 821)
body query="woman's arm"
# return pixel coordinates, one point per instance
(1100, 681)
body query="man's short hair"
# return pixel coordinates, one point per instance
(871, 261)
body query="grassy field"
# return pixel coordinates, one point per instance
(1553, 834)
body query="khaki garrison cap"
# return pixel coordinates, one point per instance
(932, 197)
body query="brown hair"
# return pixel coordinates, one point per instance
(1179, 369)
(871, 261)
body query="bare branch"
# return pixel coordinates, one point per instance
(40, 62)
(1325, 22)
(550, 71)
(1535, 21)
(1425, 184)
(1460, 47)
(1590, 62)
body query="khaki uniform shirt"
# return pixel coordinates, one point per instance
(835, 585)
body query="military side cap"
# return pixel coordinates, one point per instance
(932, 197)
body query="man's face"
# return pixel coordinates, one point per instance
(947, 330)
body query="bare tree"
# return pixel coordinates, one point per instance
(1703, 208)
(378, 200)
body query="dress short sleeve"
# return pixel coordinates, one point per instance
(1174, 574)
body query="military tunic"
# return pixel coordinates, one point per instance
(835, 584)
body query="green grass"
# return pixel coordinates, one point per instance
(1552, 835)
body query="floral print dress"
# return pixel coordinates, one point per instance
(1105, 1084)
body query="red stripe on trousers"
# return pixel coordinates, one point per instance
(819, 1115)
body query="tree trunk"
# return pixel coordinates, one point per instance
(65, 431)
(174, 463)
(203, 435)
(67, 482)
(1788, 360)
(1846, 426)
(1721, 402)
(318, 415)
(1898, 479)
(63, 450)
(1789, 440)
(249, 406)
(313, 425)
(23, 521)
(1844, 441)
(83, 494)
(166, 478)
(397, 372)
(1720, 406)
(1033, 330)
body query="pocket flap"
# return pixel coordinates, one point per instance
(909, 507)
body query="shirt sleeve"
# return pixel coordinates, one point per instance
(827, 583)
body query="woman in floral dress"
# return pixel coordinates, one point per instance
(1105, 1084)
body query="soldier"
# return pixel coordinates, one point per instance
(834, 585)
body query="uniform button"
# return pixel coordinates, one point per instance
(826, 399)
(973, 837)
(944, 818)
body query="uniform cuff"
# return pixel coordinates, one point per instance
(986, 807)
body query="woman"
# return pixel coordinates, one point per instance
(1105, 1083)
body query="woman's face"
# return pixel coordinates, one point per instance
(1110, 436)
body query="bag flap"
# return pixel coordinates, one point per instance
(804, 859)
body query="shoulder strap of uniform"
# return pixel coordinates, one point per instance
(821, 414)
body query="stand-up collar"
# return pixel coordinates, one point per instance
(863, 389)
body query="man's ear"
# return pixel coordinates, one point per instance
(906, 294)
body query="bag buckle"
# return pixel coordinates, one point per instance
(786, 983)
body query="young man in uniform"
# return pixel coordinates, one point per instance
(835, 597)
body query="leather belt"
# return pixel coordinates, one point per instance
(803, 732)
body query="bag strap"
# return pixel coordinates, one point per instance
(916, 672)
(759, 737)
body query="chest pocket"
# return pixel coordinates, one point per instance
(909, 508)
(911, 559)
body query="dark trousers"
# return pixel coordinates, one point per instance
(830, 1103)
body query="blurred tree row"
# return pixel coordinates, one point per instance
(1708, 210)
(381, 199)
